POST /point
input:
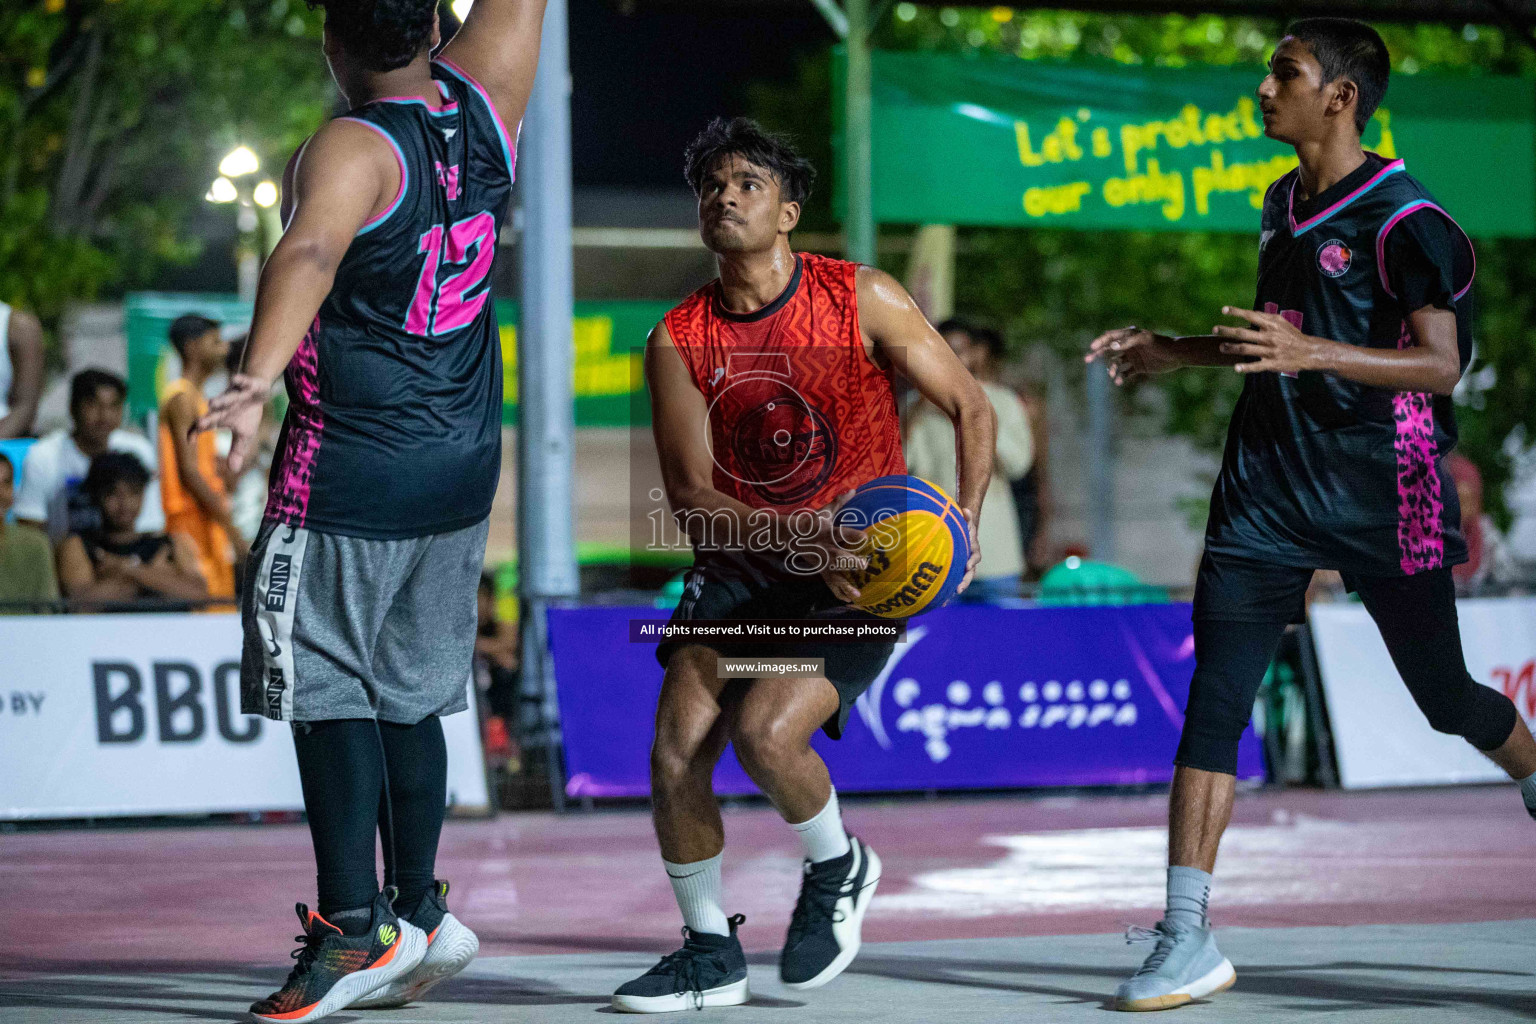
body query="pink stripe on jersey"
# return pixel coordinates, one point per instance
(289, 499)
(405, 175)
(508, 140)
(1420, 505)
(1313, 221)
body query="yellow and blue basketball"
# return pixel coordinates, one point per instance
(917, 543)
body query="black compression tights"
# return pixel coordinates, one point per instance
(342, 765)
(1417, 619)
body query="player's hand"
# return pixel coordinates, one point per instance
(975, 559)
(1132, 352)
(1274, 343)
(838, 546)
(238, 410)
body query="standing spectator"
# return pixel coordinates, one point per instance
(116, 561)
(21, 371)
(50, 496)
(26, 560)
(196, 502)
(930, 448)
(497, 657)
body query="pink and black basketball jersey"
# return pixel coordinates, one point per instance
(394, 426)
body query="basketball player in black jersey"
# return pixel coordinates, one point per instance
(360, 617)
(1361, 330)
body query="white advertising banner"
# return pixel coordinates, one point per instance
(1379, 734)
(109, 715)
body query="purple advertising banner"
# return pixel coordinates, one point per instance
(975, 698)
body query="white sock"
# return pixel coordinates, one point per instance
(700, 894)
(823, 835)
(1528, 791)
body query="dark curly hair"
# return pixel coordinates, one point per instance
(744, 137)
(383, 34)
(110, 469)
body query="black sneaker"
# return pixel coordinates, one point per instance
(450, 948)
(710, 970)
(829, 916)
(334, 970)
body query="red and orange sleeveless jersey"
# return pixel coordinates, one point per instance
(798, 411)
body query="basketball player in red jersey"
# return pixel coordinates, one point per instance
(771, 399)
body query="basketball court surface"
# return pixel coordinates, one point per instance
(1401, 906)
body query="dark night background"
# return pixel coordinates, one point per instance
(646, 81)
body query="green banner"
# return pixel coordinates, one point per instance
(609, 341)
(995, 140)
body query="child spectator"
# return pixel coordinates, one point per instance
(118, 562)
(26, 560)
(49, 496)
(193, 491)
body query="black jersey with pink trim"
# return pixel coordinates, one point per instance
(394, 423)
(1323, 472)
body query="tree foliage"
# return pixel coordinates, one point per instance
(113, 117)
(1059, 288)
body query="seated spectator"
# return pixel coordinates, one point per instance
(26, 560)
(116, 561)
(193, 488)
(930, 451)
(21, 371)
(49, 496)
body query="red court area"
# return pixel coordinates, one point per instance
(195, 897)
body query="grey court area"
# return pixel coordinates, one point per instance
(1402, 974)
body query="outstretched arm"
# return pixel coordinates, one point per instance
(347, 174)
(1131, 352)
(1270, 342)
(499, 48)
(895, 328)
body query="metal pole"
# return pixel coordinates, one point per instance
(858, 155)
(546, 547)
(1101, 466)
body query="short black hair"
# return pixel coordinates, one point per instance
(1350, 49)
(187, 327)
(986, 337)
(744, 137)
(383, 34)
(84, 385)
(110, 469)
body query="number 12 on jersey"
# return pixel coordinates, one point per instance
(441, 307)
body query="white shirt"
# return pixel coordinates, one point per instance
(54, 469)
(6, 372)
(930, 451)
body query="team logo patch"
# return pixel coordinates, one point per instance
(1334, 258)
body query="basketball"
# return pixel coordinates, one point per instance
(917, 542)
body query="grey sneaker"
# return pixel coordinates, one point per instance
(1184, 965)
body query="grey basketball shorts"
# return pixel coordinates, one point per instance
(345, 627)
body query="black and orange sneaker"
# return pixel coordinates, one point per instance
(450, 948)
(335, 970)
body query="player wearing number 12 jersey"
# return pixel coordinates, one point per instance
(359, 611)
(1333, 460)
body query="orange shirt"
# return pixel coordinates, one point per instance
(179, 501)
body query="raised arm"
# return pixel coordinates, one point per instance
(25, 341)
(896, 329)
(499, 48)
(346, 175)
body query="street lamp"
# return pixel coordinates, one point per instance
(240, 163)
